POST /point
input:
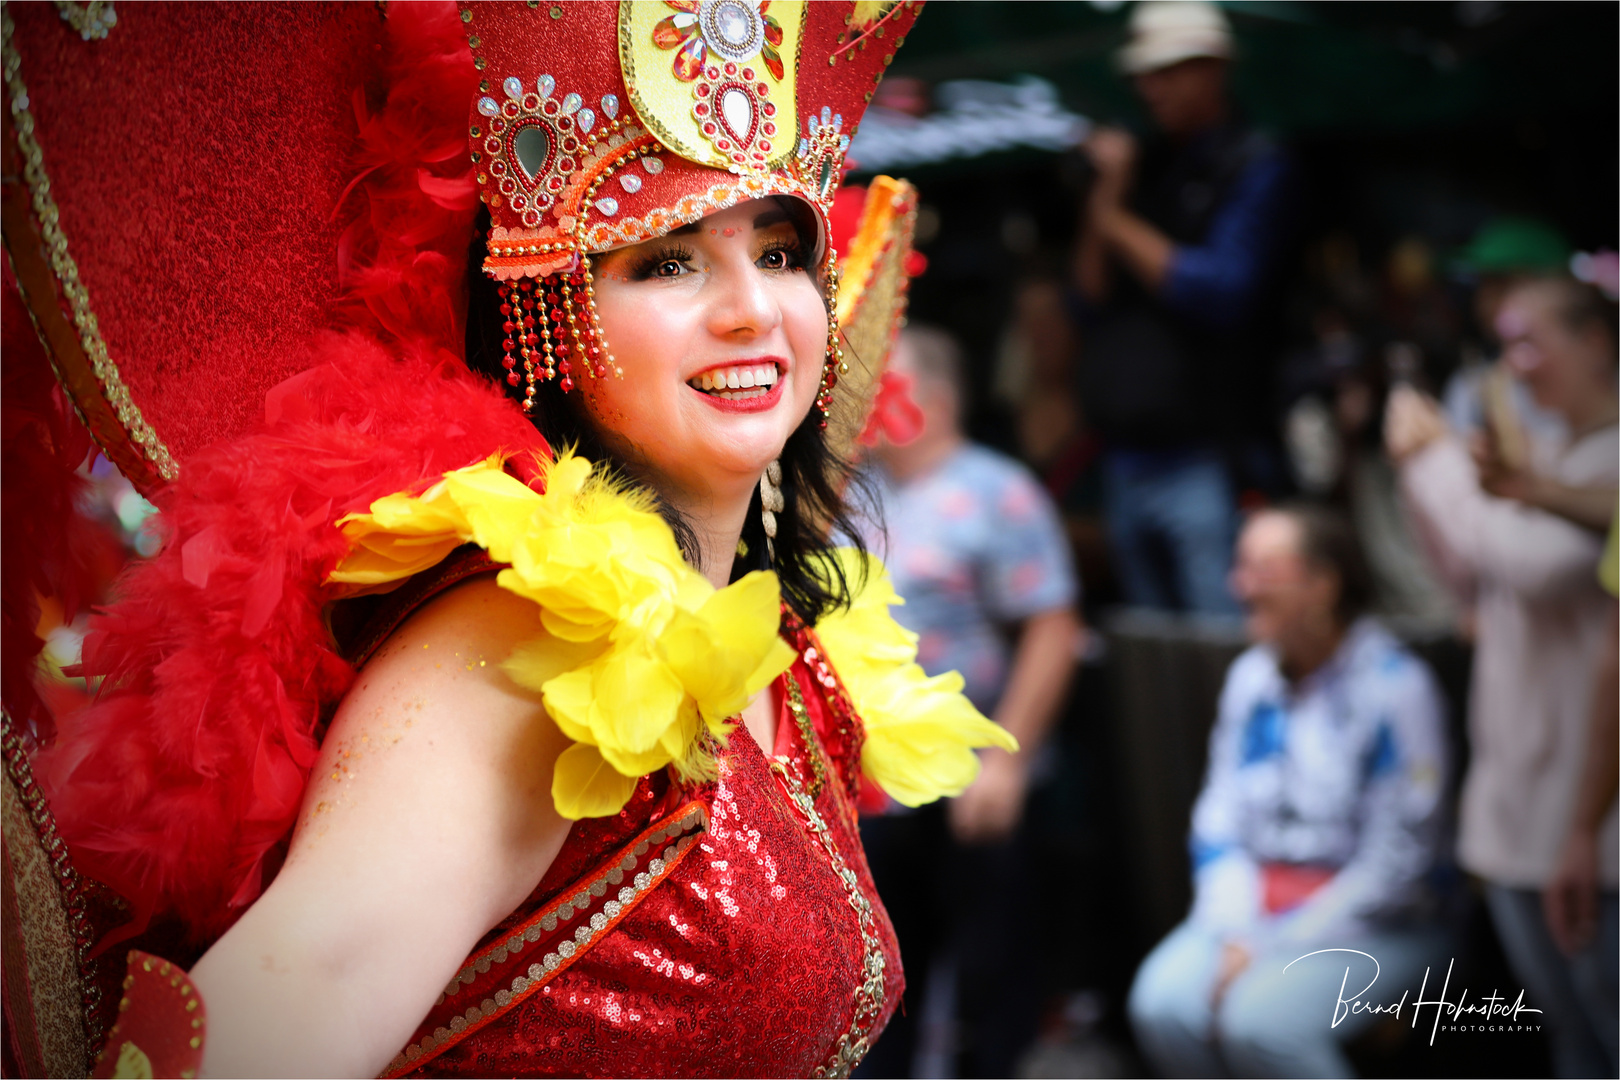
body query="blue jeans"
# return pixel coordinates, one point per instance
(1171, 523)
(1271, 1021)
(1576, 994)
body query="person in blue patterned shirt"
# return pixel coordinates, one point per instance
(976, 548)
(1319, 827)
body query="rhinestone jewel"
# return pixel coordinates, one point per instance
(608, 205)
(630, 182)
(653, 165)
(488, 106)
(586, 120)
(733, 26)
(571, 103)
(513, 87)
(545, 84)
(610, 106)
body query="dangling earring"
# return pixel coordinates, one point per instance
(771, 504)
(834, 365)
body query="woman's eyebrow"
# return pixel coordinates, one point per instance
(685, 230)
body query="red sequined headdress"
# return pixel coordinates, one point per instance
(600, 125)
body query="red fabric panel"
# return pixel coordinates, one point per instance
(197, 155)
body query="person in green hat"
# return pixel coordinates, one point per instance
(1510, 245)
(1503, 252)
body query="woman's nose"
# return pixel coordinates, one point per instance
(743, 304)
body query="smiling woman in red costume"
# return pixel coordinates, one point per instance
(498, 704)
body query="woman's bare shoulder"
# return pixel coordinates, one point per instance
(428, 818)
(477, 621)
(435, 747)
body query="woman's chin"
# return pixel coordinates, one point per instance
(744, 456)
(743, 434)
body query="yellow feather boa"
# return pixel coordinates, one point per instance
(920, 731)
(636, 655)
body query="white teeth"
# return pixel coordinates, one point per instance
(737, 383)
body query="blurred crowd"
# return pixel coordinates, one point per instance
(1409, 469)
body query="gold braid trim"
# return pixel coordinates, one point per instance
(854, 1043)
(47, 215)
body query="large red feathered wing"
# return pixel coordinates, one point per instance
(300, 171)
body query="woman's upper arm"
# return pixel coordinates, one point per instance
(427, 820)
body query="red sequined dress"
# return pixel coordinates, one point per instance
(728, 929)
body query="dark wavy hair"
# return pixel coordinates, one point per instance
(815, 481)
(1327, 540)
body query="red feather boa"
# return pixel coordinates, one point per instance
(178, 784)
(189, 768)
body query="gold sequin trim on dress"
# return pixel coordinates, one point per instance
(807, 733)
(55, 929)
(854, 1043)
(67, 270)
(478, 980)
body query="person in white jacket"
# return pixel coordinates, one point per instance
(1541, 623)
(1319, 826)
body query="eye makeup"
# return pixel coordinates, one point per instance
(643, 265)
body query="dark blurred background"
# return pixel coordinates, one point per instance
(1412, 125)
(1415, 121)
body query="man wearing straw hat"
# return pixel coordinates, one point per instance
(1177, 255)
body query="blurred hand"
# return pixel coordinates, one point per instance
(1113, 155)
(1570, 898)
(990, 809)
(1412, 420)
(1499, 478)
(1235, 958)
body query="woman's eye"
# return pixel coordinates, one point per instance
(777, 259)
(668, 268)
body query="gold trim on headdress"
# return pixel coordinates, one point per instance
(872, 303)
